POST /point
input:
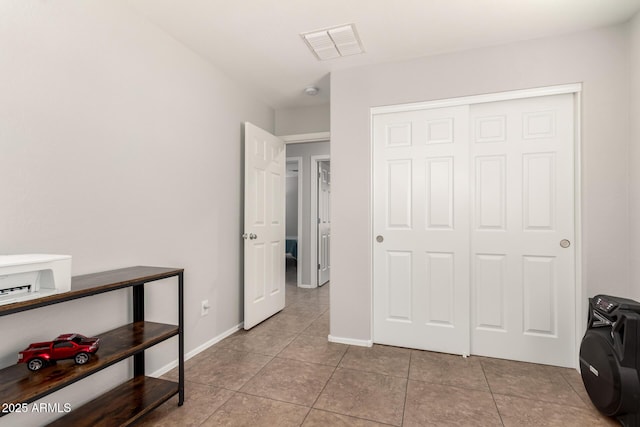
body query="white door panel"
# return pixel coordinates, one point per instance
(421, 264)
(264, 232)
(523, 284)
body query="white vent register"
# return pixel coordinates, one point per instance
(29, 276)
(334, 42)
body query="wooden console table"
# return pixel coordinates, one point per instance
(131, 400)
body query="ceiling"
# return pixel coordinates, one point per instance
(257, 42)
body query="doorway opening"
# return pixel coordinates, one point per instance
(306, 154)
(293, 220)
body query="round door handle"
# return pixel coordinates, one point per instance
(564, 243)
(379, 239)
(252, 236)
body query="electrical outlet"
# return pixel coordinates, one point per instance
(204, 307)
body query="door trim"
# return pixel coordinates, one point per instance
(299, 161)
(306, 137)
(581, 308)
(313, 214)
(579, 264)
(478, 99)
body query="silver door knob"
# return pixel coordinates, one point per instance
(252, 236)
(564, 243)
(379, 239)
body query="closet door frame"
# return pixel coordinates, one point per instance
(575, 89)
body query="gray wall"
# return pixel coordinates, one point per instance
(119, 147)
(294, 121)
(599, 59)
(634, 157)
(306, 150)
(292, 206)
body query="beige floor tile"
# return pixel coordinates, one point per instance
(243, 410)
(439, 405)
(261, 341)
(306, 309)
(447, 369)
(317, 299)
(290, 381)
(575, 381)
(520, 412)
(200, 402)
(325, 288)
(308, 348)
(313, 295)
(292, 297)
(319, 327)
(227, 368)
(283, 323)
(173, 374)
(367, 395)
(529, 380)
(318, 418)
(382, 359)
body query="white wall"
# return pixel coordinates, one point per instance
(120, 147)
(300, 120)
(634, 157)
(306, 150)
(599, 59)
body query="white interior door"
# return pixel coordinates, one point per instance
(324, 222)
(264, 225)
(421, 229)
(523, 284)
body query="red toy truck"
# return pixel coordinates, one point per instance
(66, 346)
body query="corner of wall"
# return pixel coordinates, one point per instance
(634, 154)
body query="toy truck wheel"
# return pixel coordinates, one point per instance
(35, 364)
(81, 358)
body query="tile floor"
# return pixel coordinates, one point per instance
(284, 372)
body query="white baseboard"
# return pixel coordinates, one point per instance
(350, 341)
(169, 366)
(302, 285)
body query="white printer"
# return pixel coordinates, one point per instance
(29, 276)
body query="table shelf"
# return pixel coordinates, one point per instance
(133, 399)
(121, 406)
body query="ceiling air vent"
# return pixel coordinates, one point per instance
(334, 42)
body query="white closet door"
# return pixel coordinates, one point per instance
(421, 229)
(523, 284)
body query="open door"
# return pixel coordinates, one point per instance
(264, 225)
(324, 222)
